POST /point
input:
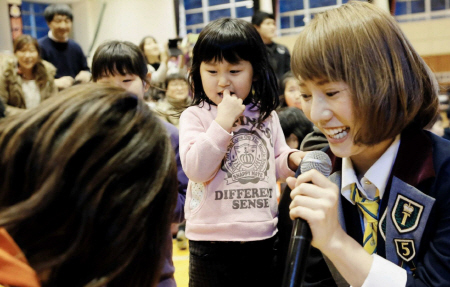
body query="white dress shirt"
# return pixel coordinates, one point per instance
(382, 272)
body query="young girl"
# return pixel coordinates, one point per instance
(232, 150)
(382, 217)
(290, 88)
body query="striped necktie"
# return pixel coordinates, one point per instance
(369, 209)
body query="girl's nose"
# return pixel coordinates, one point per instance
(223, 81)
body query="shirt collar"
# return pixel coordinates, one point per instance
(375, 178)
(50, 35)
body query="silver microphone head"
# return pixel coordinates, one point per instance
(317, 160)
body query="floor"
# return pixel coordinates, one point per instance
(181, 262)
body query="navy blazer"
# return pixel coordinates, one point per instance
(414, 224)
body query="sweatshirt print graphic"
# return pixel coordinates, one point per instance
(232, 176)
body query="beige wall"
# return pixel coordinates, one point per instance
(129, 20)
(428, 37)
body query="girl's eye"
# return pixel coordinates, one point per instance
(212, 72)
(234, 71)
(126, 80)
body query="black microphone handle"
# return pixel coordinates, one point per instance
(297, 258)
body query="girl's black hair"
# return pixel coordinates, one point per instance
(121, 57)
(234, 40)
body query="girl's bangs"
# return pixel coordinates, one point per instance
(224, 47)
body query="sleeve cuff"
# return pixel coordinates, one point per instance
(385, 273)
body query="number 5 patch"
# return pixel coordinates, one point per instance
(405, 249)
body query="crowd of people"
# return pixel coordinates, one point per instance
(100, 163)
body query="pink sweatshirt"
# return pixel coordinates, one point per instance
(232, 186)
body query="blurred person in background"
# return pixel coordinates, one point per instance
(26, 79)
(279, 56)
(64, 53)
(176, 99)
(156, 59)
(290, 91)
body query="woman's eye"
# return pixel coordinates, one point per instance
(330, 94)
(305, 96)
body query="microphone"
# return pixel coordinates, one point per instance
(301, 233)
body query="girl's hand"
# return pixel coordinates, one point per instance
(229, 110)
(315, 199)
(295, 159)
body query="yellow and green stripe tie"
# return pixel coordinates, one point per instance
(369, 209)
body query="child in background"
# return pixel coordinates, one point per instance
(122, 64)
(382, 218)
(295, 126)
(232, 150)
(290, 87)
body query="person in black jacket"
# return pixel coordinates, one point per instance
(279, 56)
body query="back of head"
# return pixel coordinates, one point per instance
(57, 9)
(363, 46)
(87, 180)
(121, 57)
(259, 16)
(233, 40)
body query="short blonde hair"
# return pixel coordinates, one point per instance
(363, 46)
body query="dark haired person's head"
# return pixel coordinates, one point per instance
(265, 25)
(59, 19)
(295, 125)
(87, 187)
(149, 47)
(232, 41)
(121, 63)
(362, 46)
(260, 16)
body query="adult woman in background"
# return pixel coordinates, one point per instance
(80, 182)
(156, 59)
(26, 79)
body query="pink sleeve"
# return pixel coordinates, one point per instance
(282, 150)
(202, 147)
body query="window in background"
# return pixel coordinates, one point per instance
(416, 10)
(34, 23)
(198, 13)
(295, 14)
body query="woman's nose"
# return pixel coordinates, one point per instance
(320, 110)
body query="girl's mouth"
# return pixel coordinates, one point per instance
(221, 94)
